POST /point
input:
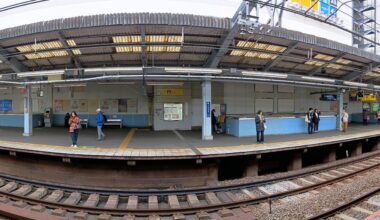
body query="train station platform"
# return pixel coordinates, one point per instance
(141, 144)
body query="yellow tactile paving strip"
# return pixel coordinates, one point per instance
(124, 151)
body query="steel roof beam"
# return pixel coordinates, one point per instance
(279, 58)
(319, 69)
(357, 74)
(62, 38)
(14, 63)
(227, 38)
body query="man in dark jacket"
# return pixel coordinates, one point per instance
(260, 127)
(310, 123)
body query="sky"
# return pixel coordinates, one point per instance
(54, 9)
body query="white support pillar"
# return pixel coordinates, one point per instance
(28, 112)
(340, 110)
(206, 115)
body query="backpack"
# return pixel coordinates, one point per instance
(104, 118)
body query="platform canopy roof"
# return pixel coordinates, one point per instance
(177, 40)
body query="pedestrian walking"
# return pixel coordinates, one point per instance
(378, 116)
(260, 126)
(214, 121)
(309, 120)
(344, 120)
(99, 124)
(74, 123)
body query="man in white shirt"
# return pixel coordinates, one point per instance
(344, 120)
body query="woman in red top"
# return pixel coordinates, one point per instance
(74, 121)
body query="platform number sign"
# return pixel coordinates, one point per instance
(208, 109)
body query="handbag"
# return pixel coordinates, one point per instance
(79, 126)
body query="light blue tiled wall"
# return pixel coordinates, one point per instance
(246, 128)
(12, 120)
(132, 120)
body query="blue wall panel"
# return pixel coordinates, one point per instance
(133, 120)
(247, 127)
(18, 120)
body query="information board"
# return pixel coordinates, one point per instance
(173, 112)
(5, 105)
(375, 107)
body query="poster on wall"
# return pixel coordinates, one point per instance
(123, 105)
(5, 105)
(132, 106)
(79, 105)
(366, 106)
(353, 96)
(58, 105)
(109, 105)
(375, 107)
(173, 112)
(334, 106)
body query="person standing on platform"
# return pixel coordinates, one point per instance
(365, 117)
(378, 116)
(316, 119)
(67, 118)
(213, 121)
(309, 121)
(260, 126)
(74, 123)
(344, 120)
(99, 124)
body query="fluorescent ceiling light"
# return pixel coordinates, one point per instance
(164, 38)
(260, 46)
(334, 66)
(76, 52)
(41, 73)
(372, 74)
(344, 61)
(40, 46)
(164, 83)
(318, 79)
(314, 62)
(171, 49)
(116, 83)
(323, 57)
(355, 84)
(265, 74)
(192, 70)
(127, 39)
(128, 49)
(114, 69)
(49, 54)
(70, 85)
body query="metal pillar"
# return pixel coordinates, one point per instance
(206, 113)
(340, 110)
(28, 112)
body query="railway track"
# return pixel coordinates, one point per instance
(20, 199)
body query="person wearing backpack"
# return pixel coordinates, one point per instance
(74, 123)
(100, 119)
(309, 121)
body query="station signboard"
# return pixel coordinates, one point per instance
(326, 7)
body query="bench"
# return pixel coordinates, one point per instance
(84, 122)
(118, 122)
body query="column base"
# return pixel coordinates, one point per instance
(27, 134)
(207, 138)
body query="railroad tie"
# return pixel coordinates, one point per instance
(129, 217)
(132, 202)
(38, 194)
(73, 198)
(179, 216)
(55, 196)
(306, 181)
(203, 215)
(81, 215)
(193, 201)
(92, 200)
(152, 202)
(212, 199)
(318, 178)
(248, 193)
(112, 202)
(154, 217)
(345, 217)
(225, 213)
(365, 211)
(233, 197)
(173, 202)
(9, 187)
(104, 217)
(23, 190)
(328, 175)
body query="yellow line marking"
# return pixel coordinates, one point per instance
(124, 145)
